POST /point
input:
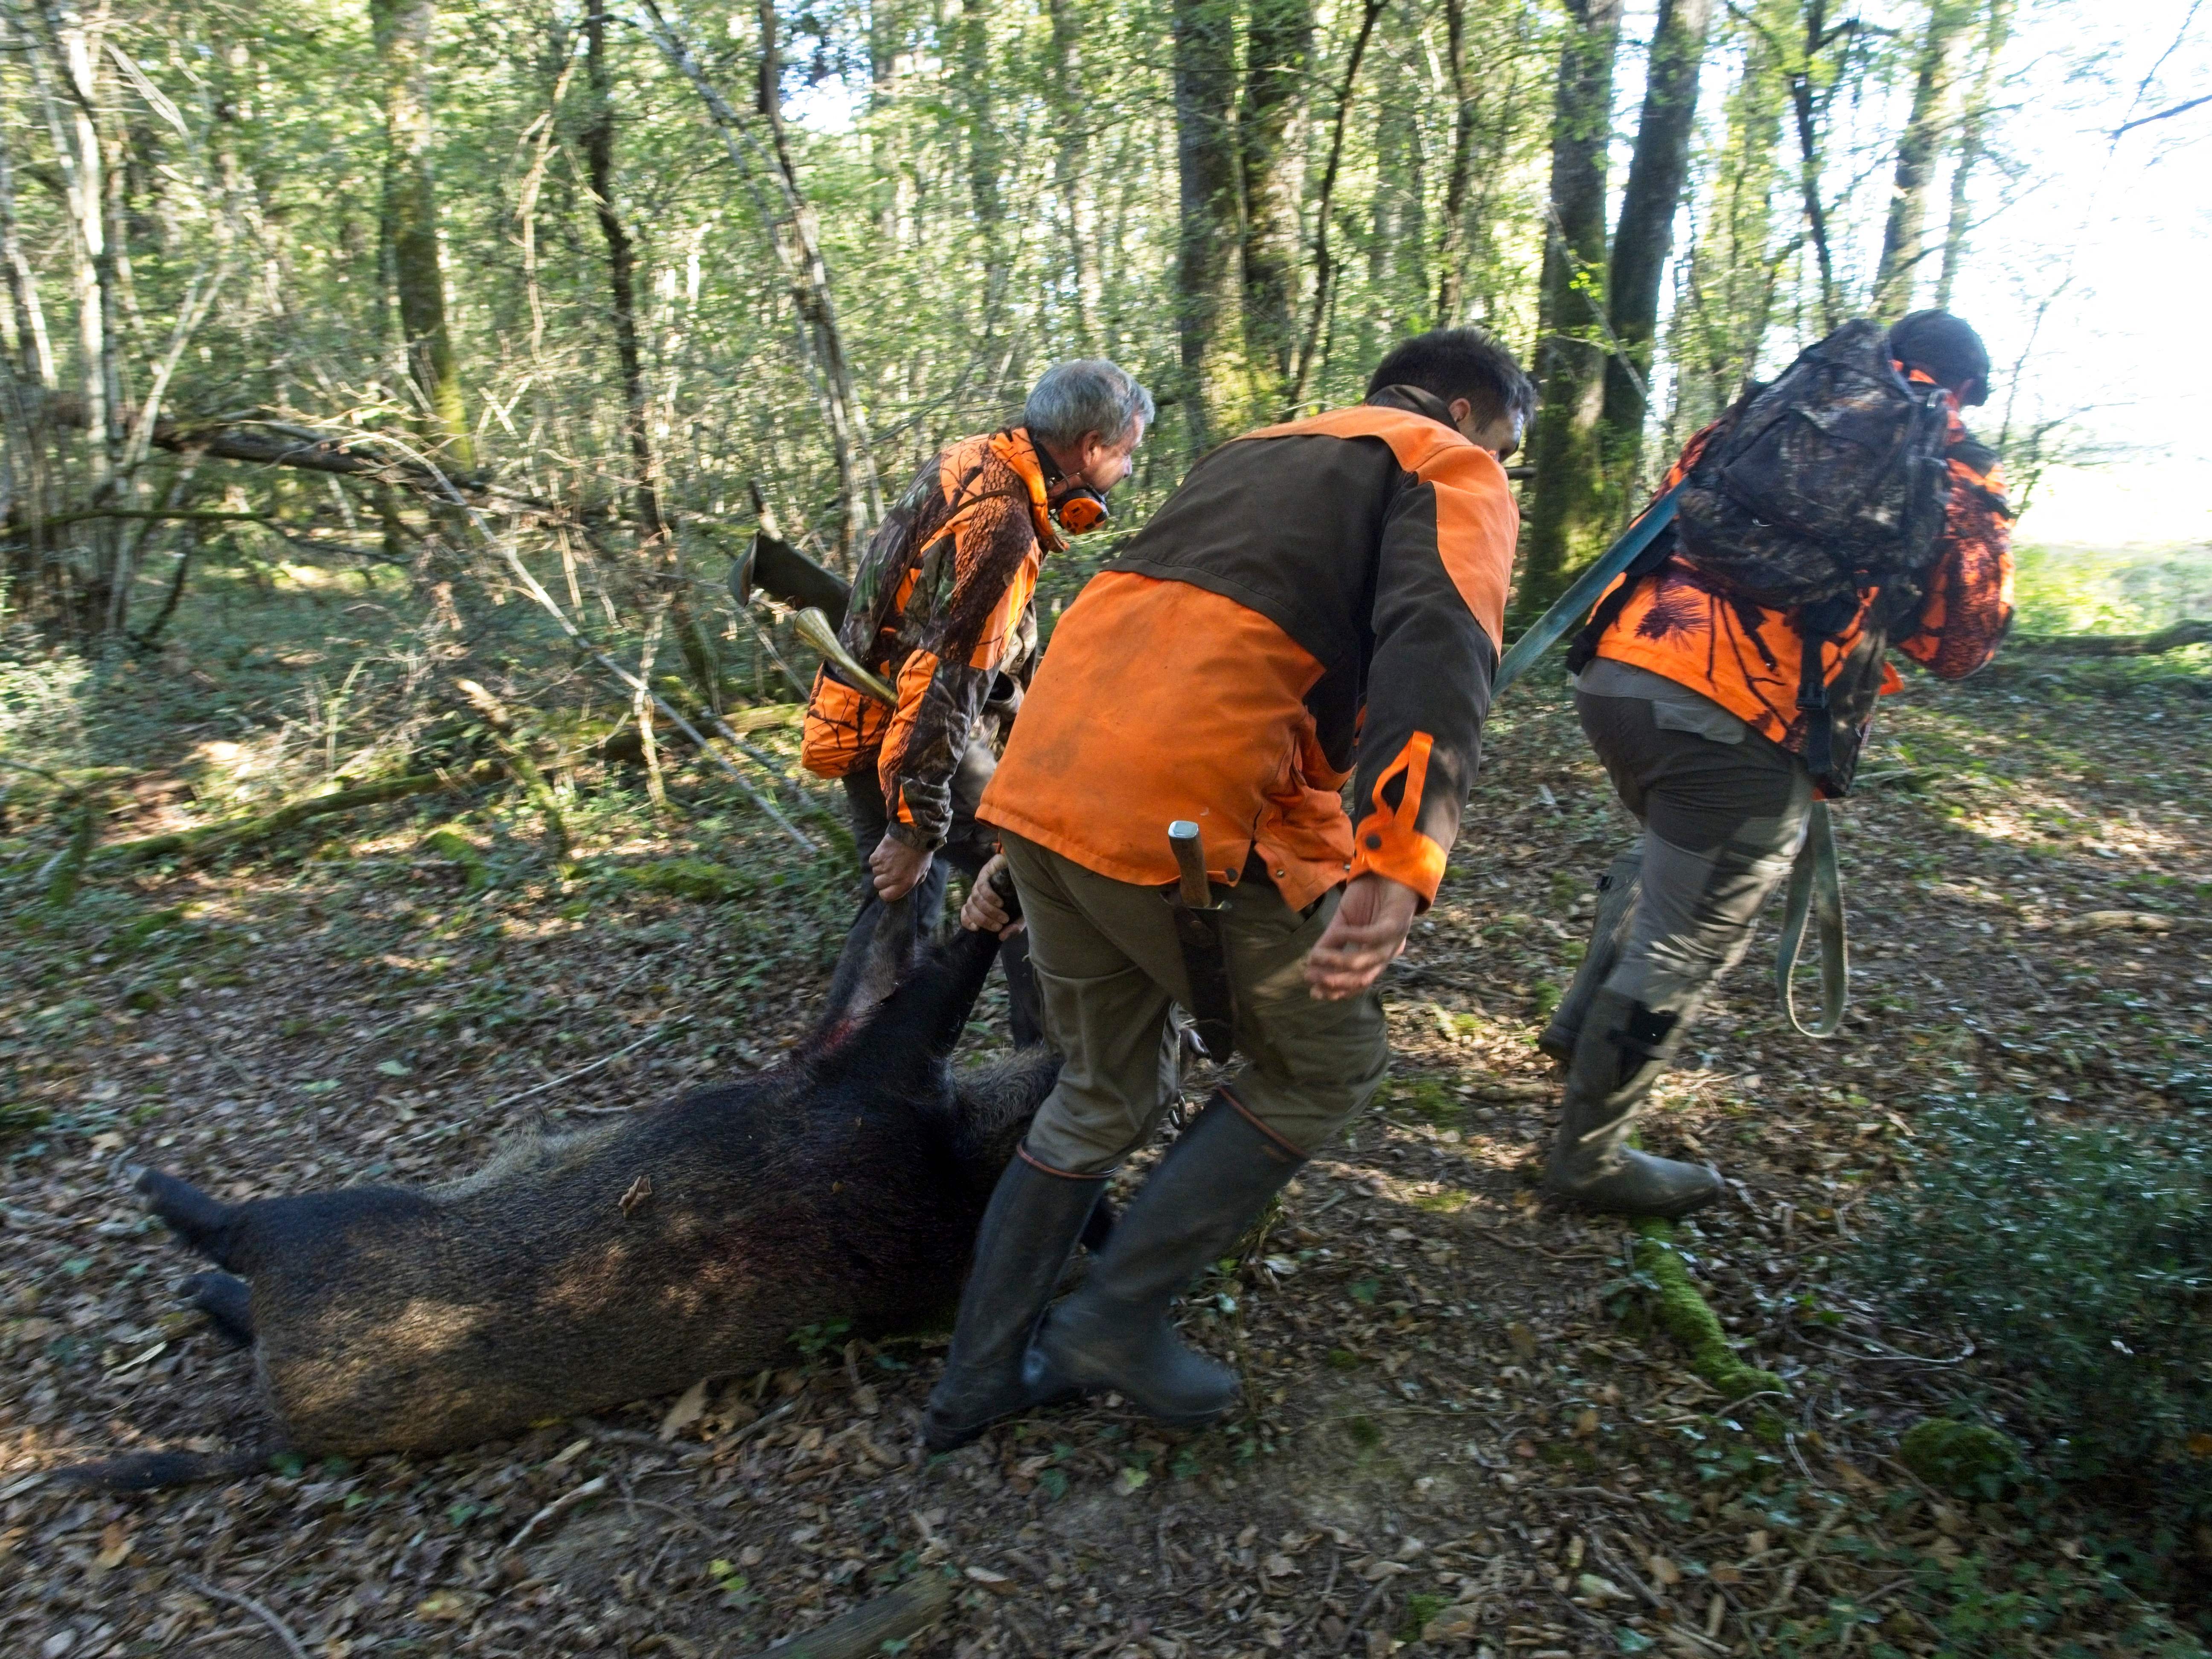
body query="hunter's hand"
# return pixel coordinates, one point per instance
(985, 912)
(898, 868)
(1365, 936)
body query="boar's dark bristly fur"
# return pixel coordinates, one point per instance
(581, 1270)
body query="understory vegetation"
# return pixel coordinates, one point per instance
(1470, 1423)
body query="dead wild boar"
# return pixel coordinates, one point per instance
(583, 1269)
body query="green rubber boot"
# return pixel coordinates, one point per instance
(1622, 1049)
(1114, 1332)
(1617, 890)
(1029, 1232)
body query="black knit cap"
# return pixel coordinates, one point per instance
(1946, 347)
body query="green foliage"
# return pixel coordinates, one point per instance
(693, 878)
(2080, 1258)
(450, 842)
(1420, 1609)
(2074, 589)
(1968, 1459)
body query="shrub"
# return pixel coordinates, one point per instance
(2080, 1258)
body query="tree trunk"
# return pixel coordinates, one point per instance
(792, 230)
(987, 156)
(1277, 52)
(1805, 106)
(599, 142)
(1071, 151)
(402, 29)
(1311, 349)
(34, 350)
(1903, 233)
(1398, 249)
(1567, 519)
(1451, 252)
(1205, 173)
(1973, 129)
(1645, 233)
(1731, 272)
(64, 58)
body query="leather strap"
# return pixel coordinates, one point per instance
(1816, 887)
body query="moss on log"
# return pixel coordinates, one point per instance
(1690, 1320)
(228, 838)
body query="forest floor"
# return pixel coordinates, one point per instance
(1461, 1431)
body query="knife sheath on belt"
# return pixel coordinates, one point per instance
(1198, 932)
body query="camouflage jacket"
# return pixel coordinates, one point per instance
(941, 605)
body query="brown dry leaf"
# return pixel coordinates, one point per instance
(448, 1605)
(997, 1582)
(639, 1190)
(115, 1543)
(1663, 1572)
(688, 1408)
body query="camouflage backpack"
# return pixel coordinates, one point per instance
(1830, 481)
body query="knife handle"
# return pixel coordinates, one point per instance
(1190, 863)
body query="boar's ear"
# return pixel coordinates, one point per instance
(920, 1023)
(878, 952)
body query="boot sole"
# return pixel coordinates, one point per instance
(1670, 1213)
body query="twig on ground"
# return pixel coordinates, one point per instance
(744, 1432)
(899, 1613)
(660, 1030)
(560, 1506)
(278, 1627)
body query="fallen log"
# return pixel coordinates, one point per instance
(282, 443)
(2197, 631)
(892, 1617)
(1687, 1316)
(2127, 922)
(227, 837)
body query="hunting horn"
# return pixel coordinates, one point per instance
(814, 627)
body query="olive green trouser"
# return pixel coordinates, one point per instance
(1109, 966)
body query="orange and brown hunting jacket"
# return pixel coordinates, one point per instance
(1746, 658)
(941, 605)
(1316, 598)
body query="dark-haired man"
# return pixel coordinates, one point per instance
(1318, 599)
(1695, 703)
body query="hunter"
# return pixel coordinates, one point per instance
(1717, 740)
(941, 610)
(1317, 600)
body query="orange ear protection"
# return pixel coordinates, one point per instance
(1081, 511)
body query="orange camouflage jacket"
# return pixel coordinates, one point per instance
(940, 606)
(1746, 658)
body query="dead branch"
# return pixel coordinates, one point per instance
(228, 837)
(278, 1627)
(2197, 631)
(892, 1617)
(567, 1501)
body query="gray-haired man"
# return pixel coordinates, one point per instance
(941, 610)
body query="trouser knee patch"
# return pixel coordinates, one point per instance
(1646, 1031)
